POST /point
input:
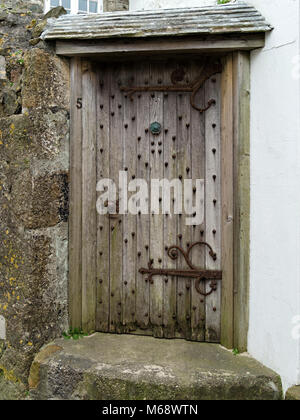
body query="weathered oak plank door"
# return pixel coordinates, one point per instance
(151, 120)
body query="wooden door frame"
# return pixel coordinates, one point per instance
(235, 182)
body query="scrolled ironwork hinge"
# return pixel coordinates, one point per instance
(199, 274)
(208, 70)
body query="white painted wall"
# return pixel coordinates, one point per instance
(275, 186)
(275, 197)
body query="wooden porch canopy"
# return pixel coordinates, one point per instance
(232, 26)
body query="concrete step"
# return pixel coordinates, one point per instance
(127, 367)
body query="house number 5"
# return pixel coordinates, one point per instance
(79, 103)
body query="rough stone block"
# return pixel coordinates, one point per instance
(41, 202)
(55, 12)
(35, 41)
(33, 296)
(9, 102)
(115, 5)
(49, 129)
(39, 28)
(39, 134)
(293, 394)
(34, 127)
(50, 200)
(33, 5)
(10, 390)
(145, 368)
(45, 81)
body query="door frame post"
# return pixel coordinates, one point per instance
(227, 209)
(235, 170)
(241, 177)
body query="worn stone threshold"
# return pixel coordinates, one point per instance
(120, 367)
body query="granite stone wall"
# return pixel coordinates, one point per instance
(34, 162)
(34, 180)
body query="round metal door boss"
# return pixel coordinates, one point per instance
(155, 128)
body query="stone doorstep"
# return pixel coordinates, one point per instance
(128, 367)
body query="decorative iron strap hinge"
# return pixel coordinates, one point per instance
(201, 275)
(208, 70)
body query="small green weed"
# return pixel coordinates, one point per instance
(75, 334)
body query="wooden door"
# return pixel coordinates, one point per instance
(150, 273)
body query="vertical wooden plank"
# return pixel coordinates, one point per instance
(170, 221)
(156, 221)
(75, 221)
(184, 232)
(116, 224)
(227, 202)
(213, 204)
(143, 172)
(198, 312)
(241, 89)
(89, 198)
(103, 232)
(129, 221)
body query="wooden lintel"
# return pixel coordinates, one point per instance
(214, 44)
